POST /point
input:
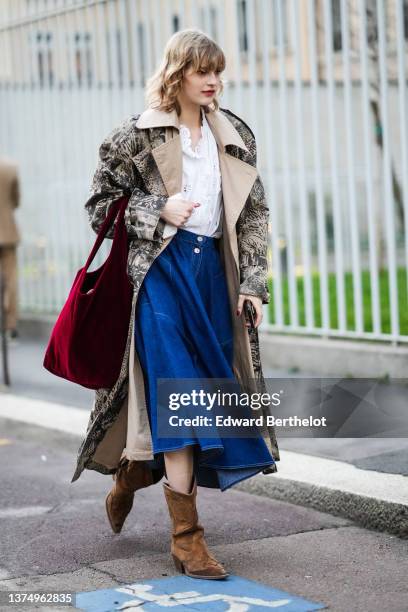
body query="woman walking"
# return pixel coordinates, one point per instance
(188, 313)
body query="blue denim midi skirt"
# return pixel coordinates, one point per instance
(183, 329)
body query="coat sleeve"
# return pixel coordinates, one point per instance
(116, 176)
(252, 235)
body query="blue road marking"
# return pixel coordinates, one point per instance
(235, 594)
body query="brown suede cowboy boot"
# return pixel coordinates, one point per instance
(130, 476)
(188, 547)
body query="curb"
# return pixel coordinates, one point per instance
(332, 357)
(374, 500)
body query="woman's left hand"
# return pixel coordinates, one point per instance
(257, 303)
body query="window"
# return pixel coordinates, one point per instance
(43, 52)
(115, 50)
(276, 24)
(336, 22)
(142, 55)
(176, 23)
(208, 17)
(214, 22)
(83, 58)
(120, 56)
(242, 26)
(372, 26)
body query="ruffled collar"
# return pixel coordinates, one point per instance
(185, 136)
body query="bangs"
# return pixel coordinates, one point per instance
(207, 58)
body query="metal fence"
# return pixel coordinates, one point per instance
(322, 83)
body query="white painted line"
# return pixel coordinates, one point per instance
(68, 419)
(24, 511)
(299, 467)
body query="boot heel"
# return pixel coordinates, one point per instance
(178, 564)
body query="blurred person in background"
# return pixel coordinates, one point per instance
(9, 239)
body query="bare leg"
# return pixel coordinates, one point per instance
(179, 468)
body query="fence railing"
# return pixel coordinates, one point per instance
(323, 84)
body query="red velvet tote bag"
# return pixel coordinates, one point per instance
(88, 340)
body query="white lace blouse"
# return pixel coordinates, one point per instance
(201, 183)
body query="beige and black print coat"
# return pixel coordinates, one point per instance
(142, 158)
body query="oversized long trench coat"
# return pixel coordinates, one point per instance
(142, 158)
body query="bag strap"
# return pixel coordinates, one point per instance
(120, 204)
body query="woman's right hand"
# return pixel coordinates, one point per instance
(177, 211)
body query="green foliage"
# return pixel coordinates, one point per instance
(367, 298)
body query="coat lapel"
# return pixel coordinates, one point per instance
(169, 159)
(237, 175)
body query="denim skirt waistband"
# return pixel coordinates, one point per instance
(197, 239)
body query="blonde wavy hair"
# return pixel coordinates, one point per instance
(186, 48)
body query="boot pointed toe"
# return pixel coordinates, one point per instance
(129, 478)
(117, 510)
